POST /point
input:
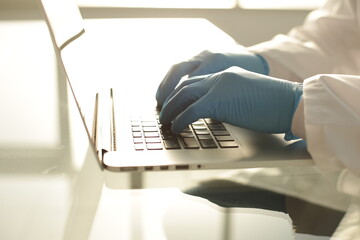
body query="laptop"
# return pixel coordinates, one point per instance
(122, 124)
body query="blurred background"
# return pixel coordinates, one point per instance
(247, 21)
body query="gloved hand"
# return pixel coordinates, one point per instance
(236, 96)
(206, 63)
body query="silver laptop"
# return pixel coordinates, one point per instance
(127, 135)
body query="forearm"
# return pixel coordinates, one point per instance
(331, 114)
(278, 70)
(319, 46)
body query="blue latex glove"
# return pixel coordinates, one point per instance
(236, 96)
(206, 63)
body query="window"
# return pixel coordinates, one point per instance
(213, 4)
(281, 4)
(206, 4)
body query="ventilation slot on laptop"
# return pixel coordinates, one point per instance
(128, 169)
(182, 167)
(164, 167)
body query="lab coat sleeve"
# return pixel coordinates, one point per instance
(332, 121)
(327, 42)
(325, 51)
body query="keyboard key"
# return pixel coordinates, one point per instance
(165, 127)
(208, 143)
(204, 137)
(139, 147)
(186, 130)
(135, 124)
(224, 138)
(138, 140)
(168, 136)
(148, 123)
(152, 140)
(136, 129)
(210, 120)
(190, 143)
(165, 131)
(216, 126)
(229, 144)
(221, 133)
(150, 129)
(187, 135)
(172, 144)
(154, 146)
(202, 132)
(137, 135)
(151, 134)
(200, 121)
(199, 126)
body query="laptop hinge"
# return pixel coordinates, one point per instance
(101, 153)
(102, 125)
(112, 122)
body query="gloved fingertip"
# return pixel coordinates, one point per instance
(158, 107)
(159, 98)
(162, 120)
(177, 128)
(290, 136)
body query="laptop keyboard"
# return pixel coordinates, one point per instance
(202, 134)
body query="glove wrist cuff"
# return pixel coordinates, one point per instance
(264, 63)
(298, 92)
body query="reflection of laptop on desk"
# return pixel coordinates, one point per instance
(124, 143)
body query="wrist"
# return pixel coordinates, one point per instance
(264, 64)
(298, 121)
(291, 135)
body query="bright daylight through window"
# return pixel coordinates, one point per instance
(212, 4)
(221, 4)
(281, 4)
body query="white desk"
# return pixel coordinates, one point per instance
(51, 186)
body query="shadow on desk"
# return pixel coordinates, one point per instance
(307, 217)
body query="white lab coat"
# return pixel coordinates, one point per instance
(325, 53)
